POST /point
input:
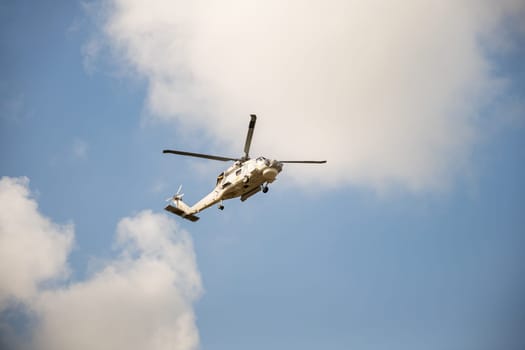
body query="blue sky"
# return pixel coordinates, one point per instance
(411, 237)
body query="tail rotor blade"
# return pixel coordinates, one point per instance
(176, 196)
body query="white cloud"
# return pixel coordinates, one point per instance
(32, 248)
(143, 299)
(388, 92)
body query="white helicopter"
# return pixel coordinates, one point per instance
(243, 179)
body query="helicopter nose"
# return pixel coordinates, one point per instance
(270, 174)
(277, 165)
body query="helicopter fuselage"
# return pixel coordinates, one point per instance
(242, 179)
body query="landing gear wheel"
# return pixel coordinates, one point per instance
(221, 207)
(265, 189)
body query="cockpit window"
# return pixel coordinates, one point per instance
(220, 177)
(263, 160)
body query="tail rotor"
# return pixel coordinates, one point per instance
(178, 207)
(177, 196)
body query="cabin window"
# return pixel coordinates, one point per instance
(238, 172)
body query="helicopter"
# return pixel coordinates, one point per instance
(244, 178)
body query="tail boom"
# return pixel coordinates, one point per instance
(178, 207)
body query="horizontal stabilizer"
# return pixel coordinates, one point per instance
(181, 213)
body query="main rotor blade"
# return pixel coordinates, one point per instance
(198, 155)
(247, 144)
(303, 161)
